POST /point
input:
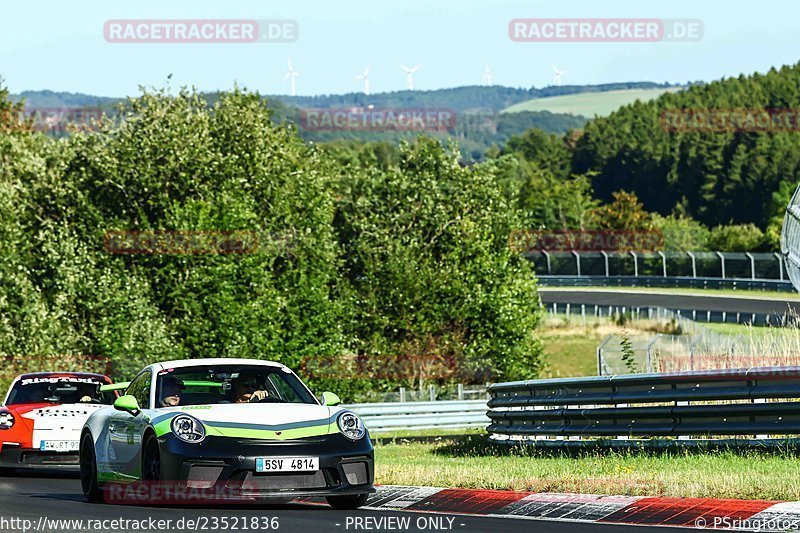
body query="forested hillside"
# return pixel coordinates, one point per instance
(716, 177)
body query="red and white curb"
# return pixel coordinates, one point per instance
(742, 515)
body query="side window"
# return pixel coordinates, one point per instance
(140, 389)
(284, 390)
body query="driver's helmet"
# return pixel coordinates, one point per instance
(169, 386)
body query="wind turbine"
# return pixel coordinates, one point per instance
(487, 75)
(410, 76)
(365, 77)
(291, 74)
(559, 73)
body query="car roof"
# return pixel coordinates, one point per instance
(30, 375)
(182, 363)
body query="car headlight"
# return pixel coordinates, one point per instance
(6, 420)
(188, 428)
(351, 426)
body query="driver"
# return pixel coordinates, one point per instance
(171, 390)
(246, 389)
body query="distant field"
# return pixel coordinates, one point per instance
(589, 104)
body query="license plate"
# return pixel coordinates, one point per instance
(287, 464)
(59, 445)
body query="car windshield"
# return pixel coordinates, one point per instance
(229, 384)
(59, 389)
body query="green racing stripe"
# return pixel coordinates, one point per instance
(162, 426)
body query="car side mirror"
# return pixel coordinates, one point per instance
(128, 404)
(330, 399)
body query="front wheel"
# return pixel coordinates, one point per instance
(151, 461)
(88, 463)
(346, 503)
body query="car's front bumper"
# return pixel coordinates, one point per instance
(346, 467)
(18, 457)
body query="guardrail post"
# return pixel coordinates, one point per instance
(722, 263)
(780, 264)
(649, 358)
(663, 263)
(760, 400)
(460, 391)
(577, 262)
(547, 258)
(694, 264)
(752, 265)
(635, 264)
(600, 354)
(402, 394)
(605, 260)
(432, 392)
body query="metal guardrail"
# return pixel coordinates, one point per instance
(397, 416)
(678, 282)
(609, 263)
(756, 401)
(581, 311)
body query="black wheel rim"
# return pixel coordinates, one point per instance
(152, 463)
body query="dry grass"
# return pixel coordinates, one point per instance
(570, 345)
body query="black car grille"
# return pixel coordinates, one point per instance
(279, 481)
(49, 458)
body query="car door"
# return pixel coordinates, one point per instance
(125, 430)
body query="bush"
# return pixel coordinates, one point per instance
(737, 238)
(681, 234)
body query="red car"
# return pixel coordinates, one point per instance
(42, 416)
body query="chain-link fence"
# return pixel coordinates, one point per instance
(696, 348)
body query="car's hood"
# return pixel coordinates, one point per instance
(254, 420)
(47, 415)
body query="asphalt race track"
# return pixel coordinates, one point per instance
(58, 496)
(730, 304)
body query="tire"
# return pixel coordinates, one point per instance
(151, 461)
(347, 503)
(88, 464)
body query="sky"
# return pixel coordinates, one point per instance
(60, 45)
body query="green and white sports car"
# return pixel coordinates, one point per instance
(243, 425)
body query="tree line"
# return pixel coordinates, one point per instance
(362, 277)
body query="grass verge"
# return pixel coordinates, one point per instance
(470, 463)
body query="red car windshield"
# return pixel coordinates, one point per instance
(59, 389)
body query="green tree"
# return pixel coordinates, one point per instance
(426, 254)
